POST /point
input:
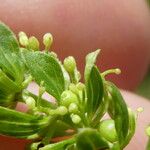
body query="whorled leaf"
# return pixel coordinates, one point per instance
(10, 61)
(132, 127)
(94, 90)
(11, 66)
(20, 125)
(119, 112)
(44, 67)
(90, 61)
(90, 139)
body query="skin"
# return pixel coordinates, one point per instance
(119, 28)
(121, 31)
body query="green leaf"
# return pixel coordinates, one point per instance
(115, 146)
(66, 76)
(60, 129)
(102, 109)
(65, 73)
(59, 146)
(10, 60)
(6, 99)
(90, 60)
(132, 127)
(90, 139)
(21, 125)
(7, 85)
(148, 145)
(11, 66)
(44, 67)
(119, 112)
(94, 88)
(8, 40)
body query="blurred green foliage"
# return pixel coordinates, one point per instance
(144, 88)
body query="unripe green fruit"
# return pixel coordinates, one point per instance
(68, 97)
(70, 64)
(108, 131)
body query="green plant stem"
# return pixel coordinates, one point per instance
(60, 145)
(82, 114)
(26, 82)
(44, 102)
(49, 131)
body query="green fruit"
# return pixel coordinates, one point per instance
(108, 131)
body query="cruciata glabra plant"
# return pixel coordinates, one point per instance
(77, 114)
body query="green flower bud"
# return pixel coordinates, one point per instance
(75, 119)
(73, 108)
(70, 64)
(62, 110)
(47, 40)
(33, 43)
(107, 130)
(23, 39)
(68, 97)
(30, 102)
(73, 88)
(80, 86)
(78, 75)
(53, 54)
(21, 33)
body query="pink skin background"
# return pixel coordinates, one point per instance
(119, 28)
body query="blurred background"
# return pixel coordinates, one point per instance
(121, 28)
